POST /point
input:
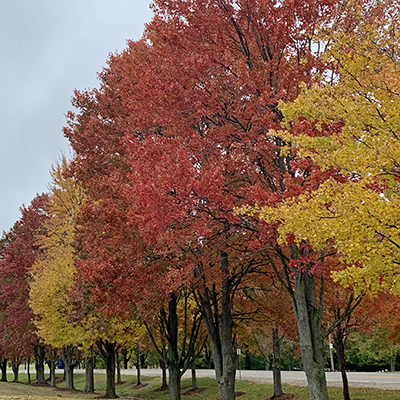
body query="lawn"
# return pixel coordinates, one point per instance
(127, 390)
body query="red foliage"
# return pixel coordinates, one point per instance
(19, 250)
(180, 127)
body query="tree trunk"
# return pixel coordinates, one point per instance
(52, 366)
(228, 349)
(308, 316)
(163, 367)
(138, 366)
(220, 333)
(3, 366)
(276, 363)
(212, 326)
(173, 356)
(69, 365)
(89, 375)
(247, 360)
(208, 358)
(107, 350)
(124, 353)
(194, 380)
(15, 370)
(268, 360)
(28, 370)
(39, 364)
(393, 360)
(340, 348)
(174, 382)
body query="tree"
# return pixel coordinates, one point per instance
(19, 250)
(350, 127)
(176, 331)
(53, 271)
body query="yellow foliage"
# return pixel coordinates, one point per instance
(52, 274)
(361, 212)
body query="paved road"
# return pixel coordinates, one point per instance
(384, 380)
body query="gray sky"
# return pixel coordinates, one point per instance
(47, 49)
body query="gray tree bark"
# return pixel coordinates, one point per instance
(52, 367)
(89, 375)
(219, 325)
(15, 369)
(276, 363)
(107, 350)
(69, 366)
(308, 316)
(39, 364)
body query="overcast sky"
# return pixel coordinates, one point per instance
(47, 49)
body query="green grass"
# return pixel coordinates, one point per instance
(10, 390)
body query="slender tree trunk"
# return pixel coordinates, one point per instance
(267, 358)
(340, 349)
(209, 359)
(247, 360)
(163, 367)
(4, 369)
(89, 375)
(173, 356)
(194, 380)
(220, 333)
(276, 363)
(227, 346)
(393, 360)
(392, 364)
(108, 354)
(308, 316)
(69, 365)
(15, 370)
(124, 353)
(28, 370)
(39, 364)
(138, 366)
(212, 326)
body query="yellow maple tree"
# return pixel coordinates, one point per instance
(52, 274)
(350, 126)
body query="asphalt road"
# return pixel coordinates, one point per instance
(384, 380)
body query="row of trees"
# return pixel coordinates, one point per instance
(236, 162)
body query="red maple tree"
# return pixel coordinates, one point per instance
(19, 249)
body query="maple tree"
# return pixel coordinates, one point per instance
(19, 250)
(351, 126)
(53, 271)
(176, 331)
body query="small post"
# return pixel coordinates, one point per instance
(239, 352)
(331, 353)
